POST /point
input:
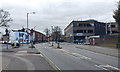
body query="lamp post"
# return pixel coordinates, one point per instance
(27, 22)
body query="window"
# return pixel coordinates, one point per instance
(21, 34)
(90, 31)
(80, 25)
(84, 25)
(113, 26)
(85, 31)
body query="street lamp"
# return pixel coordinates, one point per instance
(27, 20)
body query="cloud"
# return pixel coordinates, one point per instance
(57, 12)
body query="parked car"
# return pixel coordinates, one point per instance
(15, 44)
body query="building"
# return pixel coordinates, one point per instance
(20, 36)
(78, 31)
(5, 38)
(39, 37)
(112, 28)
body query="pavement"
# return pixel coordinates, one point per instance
(72, 58)
(23, 58)
(102, 50)
(25, 47)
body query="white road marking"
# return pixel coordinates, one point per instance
(22, 52)
(76, 54)
(101, 67)
(81, 56)
(107, 66)
(19, 54)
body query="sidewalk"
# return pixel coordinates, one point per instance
(23, 58)
(103, 50)
(25, 47)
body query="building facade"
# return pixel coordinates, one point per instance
(39, 37)
(20, 36)
(112, 28)
(78, 31)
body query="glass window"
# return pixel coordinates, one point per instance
(85, 31)
(90, 31)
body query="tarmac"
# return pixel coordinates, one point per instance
(31, 56)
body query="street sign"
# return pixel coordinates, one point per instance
(79, 34)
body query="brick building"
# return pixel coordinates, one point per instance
(40, 37)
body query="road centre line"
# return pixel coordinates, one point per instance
(87, 58)
(107, 66)
(101, 67)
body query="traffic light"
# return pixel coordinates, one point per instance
(6, 31)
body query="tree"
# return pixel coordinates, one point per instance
(47, 31)
(4, 18)
(116, 16)
(57, 32)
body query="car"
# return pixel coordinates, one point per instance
(15, 44)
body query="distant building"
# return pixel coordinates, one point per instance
(39, 37)
(25, 36)
(78, 31)
(4, 38)
(20, 36)
(112, 28)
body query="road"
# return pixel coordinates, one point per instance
(21, 60)
(71, 58)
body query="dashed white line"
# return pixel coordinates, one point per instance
(101, 67)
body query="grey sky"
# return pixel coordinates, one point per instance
(57, 12)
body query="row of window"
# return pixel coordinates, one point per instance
(112, 31)
(83, 24)
(83, 31)
(112, 26)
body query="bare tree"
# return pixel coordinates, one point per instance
(116, 16)
(4, 18)
(57, 32)
(47, 31)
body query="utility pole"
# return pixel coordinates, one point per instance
(27, 22)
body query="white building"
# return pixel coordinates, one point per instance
(20, 36)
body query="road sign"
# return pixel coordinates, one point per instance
(79, 34)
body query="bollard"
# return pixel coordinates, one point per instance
(58, 45)
(52, 43)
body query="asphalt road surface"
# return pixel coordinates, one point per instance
(21, 60)
(71, 58)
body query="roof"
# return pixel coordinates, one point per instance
(90, 20)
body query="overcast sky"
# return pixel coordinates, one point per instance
(57, 12)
